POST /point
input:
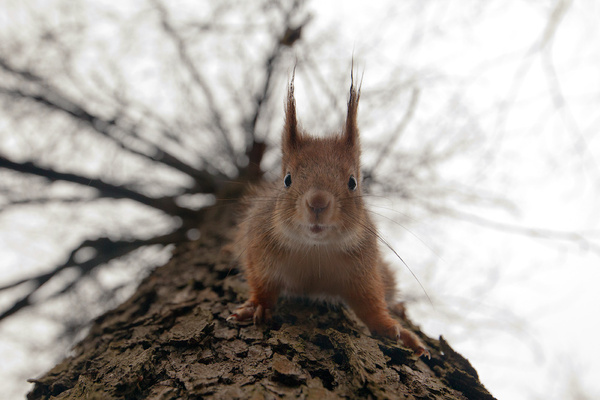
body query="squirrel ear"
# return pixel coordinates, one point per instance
(290, 130)
(351, 130)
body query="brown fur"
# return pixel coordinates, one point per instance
(315, 237)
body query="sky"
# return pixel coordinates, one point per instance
(512, 290)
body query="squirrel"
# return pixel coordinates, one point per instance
(310, 233)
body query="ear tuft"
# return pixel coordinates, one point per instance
(290, 130)
(351, 130)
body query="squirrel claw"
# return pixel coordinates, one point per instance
(422, 351)
(411, 341)
(261, 314)
(249, 310)
(243, 312)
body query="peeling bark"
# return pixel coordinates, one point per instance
(170, 340)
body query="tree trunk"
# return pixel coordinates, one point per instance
(170, 340)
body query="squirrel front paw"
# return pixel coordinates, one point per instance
(410, 340)
(248, 310)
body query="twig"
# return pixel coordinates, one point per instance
(106, 250)
(165, 204)
(197, 77)
(54, 100)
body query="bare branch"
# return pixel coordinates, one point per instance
(581, 238)
(554, 20)
(197, 77)
(255, 148)
(56, 101)
(505, 107)
(388, 145)
(105, 250)
(29, 76)
(45, 200)
(165, 204)
(581, 144)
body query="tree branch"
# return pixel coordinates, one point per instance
(105, 249)
(165, 204)
(388, 145)
(56, 101)
(197, 77)
(580, 238)
(45, 200)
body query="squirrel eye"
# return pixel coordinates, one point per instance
(287, 181)
(352, 184)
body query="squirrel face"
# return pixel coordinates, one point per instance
(320, 199)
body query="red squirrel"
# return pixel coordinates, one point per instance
(309, 233)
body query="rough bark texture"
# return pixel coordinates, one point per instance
(170, 340)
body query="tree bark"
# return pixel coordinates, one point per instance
(171, 340)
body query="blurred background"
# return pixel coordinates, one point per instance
(480, 128)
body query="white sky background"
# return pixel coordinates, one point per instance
(524, 310)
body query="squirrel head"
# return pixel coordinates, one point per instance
(320, 197)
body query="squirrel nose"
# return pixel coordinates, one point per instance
(318, 203)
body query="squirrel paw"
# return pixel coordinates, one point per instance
(262, 315)
(410, 340)
(248, 310)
